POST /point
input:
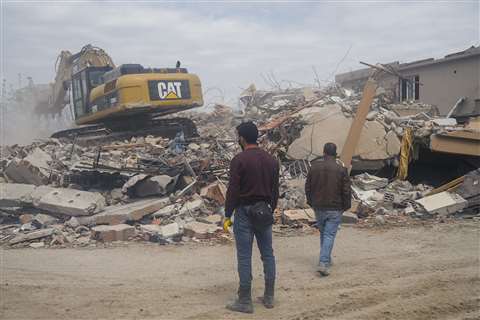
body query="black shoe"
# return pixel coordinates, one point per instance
(244, 301)
(268, 295)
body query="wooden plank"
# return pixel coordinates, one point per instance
(358, 122)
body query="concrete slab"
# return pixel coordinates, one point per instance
(32, 235)
(71, 202)
(16, 194)
(129, 212)
(443, 203)
(33, 169)
(191, 206)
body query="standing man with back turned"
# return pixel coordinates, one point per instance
(328, 191)
(253, 194)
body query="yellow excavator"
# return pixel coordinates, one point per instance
(109, 100)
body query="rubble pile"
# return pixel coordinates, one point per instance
(57, 192)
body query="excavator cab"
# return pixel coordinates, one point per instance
(82, 84)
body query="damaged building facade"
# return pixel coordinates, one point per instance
(451, 83)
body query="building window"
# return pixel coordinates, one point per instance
(410, 88)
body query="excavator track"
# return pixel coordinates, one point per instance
(120, 130)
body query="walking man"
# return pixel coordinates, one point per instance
(253, 194)
(328, 192)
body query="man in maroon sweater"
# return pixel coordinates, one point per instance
(253, 182)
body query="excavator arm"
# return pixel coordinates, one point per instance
(66, 65)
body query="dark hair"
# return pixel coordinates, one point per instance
(330, 149)
(248, 130)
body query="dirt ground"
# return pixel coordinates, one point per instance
(423, 272)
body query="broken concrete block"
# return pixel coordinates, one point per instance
(143, 185)
(33, 169)
(171, 230)
(150, 228)
(72, 223)
(16, 194)
(369, 182)
(165, 212)
(129, 212)
(299, 216)
(212, 219)
(119, 232)
(25, 218)
(215, 191)
(157, 185)
(442, 203)
(200, 230)
(32, 236)
(43, 220)
(37, 245)
(191, 206)
(393, 143)
(349, 218)
(71, 202)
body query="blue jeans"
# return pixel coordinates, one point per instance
(327, 222)
(244, 233)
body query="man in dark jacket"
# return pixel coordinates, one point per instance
(328, 191)
(253, 182)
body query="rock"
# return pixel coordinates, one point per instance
(43, 220)
(33, 169)
(129, 212)
(191, 206)
(200, 230)
(37, 245)
(71, 202)
(299, 216)
(32, 236)
(25, 218)
(16, 194)
(215, 191)
(119, 232)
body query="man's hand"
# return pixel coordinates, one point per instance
(227, 223)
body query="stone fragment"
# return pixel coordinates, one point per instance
(299, 216)
(215, 191)
(71, 202)
(43, 220)
(16, 194)
(32, 235)
(33, 169)
(129, 212)
(119, 232)
(200, 230)
(379, 220)
(72, 223)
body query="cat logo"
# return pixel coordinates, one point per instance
(170, 90)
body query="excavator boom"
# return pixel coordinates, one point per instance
(66, 65)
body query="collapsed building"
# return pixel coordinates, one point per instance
(59, 192)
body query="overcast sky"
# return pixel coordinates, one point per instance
(230, 45)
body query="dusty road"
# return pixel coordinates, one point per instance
(402, 273)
